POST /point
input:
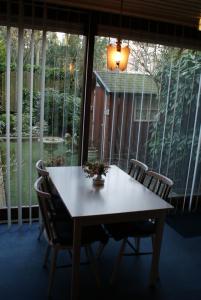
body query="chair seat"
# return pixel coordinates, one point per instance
(120, 231)
(90, 234)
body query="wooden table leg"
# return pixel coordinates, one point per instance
(154, 274)
(76, 260)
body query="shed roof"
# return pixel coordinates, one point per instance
(126, 82)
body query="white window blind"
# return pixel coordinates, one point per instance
(154, 116)
(40, 107)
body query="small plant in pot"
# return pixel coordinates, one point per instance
(96, 170)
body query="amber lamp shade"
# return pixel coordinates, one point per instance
(199, 25)
(117, 57)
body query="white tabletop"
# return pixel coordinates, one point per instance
(120, 193)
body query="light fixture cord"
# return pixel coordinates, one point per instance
(120, 27)
(121, 12)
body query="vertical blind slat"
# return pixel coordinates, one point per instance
(8, 56)
(174, 112)
(166, 113)
(192, 144)
(158, 118)
(42, 92)
(93, 116)
(74, 109)
(42, 102)
(104, 124)
(19, 120)
(195, 171)
(130, 127)
(148, 117)
(140, 118)
(113, 116)
(122, 123)
(65, 89)
(30, 124)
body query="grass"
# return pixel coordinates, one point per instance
(50, 152)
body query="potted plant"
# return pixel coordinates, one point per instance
(96, 170)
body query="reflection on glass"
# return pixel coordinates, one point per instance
(149, 112)
(63, 90)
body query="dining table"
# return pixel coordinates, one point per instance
(120, 199)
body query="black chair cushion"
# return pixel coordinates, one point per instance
(120, 231)
(58, 203)
(90, 234)
(59, 210)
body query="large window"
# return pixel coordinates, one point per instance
(150, 112)
(41, 76)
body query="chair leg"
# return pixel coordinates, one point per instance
(47, 253)
(93, 264)
(152, 240)
(118, 260)
(41, 229)
(52, 269)
(100, 249)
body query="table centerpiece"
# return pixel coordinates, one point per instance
(95, 170)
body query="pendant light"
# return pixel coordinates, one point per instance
(117, 56)
(199, 25)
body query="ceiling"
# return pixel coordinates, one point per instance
(182, 12)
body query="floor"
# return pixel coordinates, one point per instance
(22, 276)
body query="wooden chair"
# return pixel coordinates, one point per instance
(59, 234)
(161, 186)
(41, 170)
(158, 184)
(57, 203)
(137, 170)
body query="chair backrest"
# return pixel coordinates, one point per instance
(137, 170)
(158, 184)
(45, 204)
(41, 170)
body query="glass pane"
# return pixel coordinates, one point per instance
(64, 75)
(149, 112)
(63, 90)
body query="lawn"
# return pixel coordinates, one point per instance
(50, 152)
